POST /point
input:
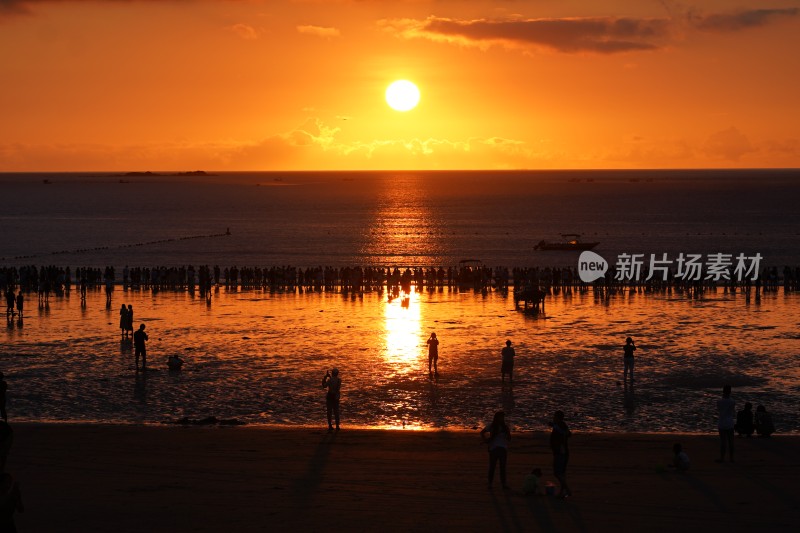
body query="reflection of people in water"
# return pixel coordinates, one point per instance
(433, 353)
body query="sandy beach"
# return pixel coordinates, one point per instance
(143, 478)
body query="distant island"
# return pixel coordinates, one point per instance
(195, 173)
(148, 173)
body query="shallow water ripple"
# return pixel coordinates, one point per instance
(260, 357)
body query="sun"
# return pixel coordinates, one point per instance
(402, 95)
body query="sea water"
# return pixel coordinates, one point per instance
(259, 356)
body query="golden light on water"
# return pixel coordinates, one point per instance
(404, 231)
(403, 333)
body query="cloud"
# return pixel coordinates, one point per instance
(603, 35)
(319, 31)
(245, 31)
(14, 8)
(11, 7)
(313, 145)
(22, 6)
(739, 20)
(599, 35)
(317, 145)
(730, 144)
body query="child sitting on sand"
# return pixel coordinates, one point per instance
(174, 363)
(680, 461)
(531, 485)
(763, 422)
(744, 421)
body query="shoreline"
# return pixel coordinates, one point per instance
(103, 477)
(352, 427)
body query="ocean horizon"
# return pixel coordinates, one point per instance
(308, 219)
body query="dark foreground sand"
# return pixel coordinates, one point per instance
(117, 478)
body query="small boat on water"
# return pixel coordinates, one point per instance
(571, 241)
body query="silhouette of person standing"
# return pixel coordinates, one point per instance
(627, 359)
(123, 320)
(20, 303)
(10, 302)
(109, 291)
(507, 365)
(139, 339)
(10, 502)
(3, 389)
(499, 437)
(726, 408)
(433, 353)
(744, 421)
(559, 445)
(6, 440)
(129, 320)
(333, 383)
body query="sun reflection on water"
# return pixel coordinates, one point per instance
(402, 332)
(404, 229)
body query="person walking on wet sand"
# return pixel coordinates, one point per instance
(507, 365)
(333, 383)
(20, 303)
(433, 353)
(139, 339)
(627, 359)
(559, 445)
(499, 437)
(726, 408)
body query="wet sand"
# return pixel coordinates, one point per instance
(134, 478)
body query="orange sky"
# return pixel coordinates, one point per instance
(299, 84)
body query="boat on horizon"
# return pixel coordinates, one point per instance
(571, 241)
